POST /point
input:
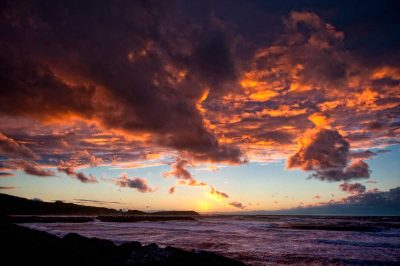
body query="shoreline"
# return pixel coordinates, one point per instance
(25, 246)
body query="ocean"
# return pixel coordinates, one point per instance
(261, 240)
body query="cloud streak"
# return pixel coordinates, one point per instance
(237, 205)
(35, 169)
(218, 194)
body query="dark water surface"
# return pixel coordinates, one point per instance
(261, 240)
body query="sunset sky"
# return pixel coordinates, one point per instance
(205, 105)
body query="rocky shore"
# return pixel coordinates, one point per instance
(23, 246)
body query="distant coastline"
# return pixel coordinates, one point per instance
(12, 205)
(41, 248)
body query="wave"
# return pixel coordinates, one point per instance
(259, 240)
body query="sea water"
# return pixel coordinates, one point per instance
(261, 240)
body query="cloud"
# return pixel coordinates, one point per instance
(372, 190)
(357, 169)
(367, 154)
(85, 179)
(13, 148)
(171, 190)
(70, 171)
(306, 70)
(3, 187)
(179, 170)
(29, 167)
(35, 169)
(237, 205)
(94, 161)
(355, 188)
(326, 152)
(137, 183)
(372, 202)
(6, 174)
(192, 182)
(148, 71)
(182, 80)
(101, 202)
(218, 194)
(63, 167)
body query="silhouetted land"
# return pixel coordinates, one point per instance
(12, 205)
(20, 206)
(23, 246)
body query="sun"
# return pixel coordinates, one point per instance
(203, 206)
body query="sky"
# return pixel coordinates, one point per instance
(213, 106)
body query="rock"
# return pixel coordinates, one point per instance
(24, 246)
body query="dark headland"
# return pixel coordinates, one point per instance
(24, 246)
(23, 210)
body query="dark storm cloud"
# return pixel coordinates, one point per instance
(371, 27)
(36, 91)
(148, 62)
(116, 82)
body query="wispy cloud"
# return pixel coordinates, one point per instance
(237, 205)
